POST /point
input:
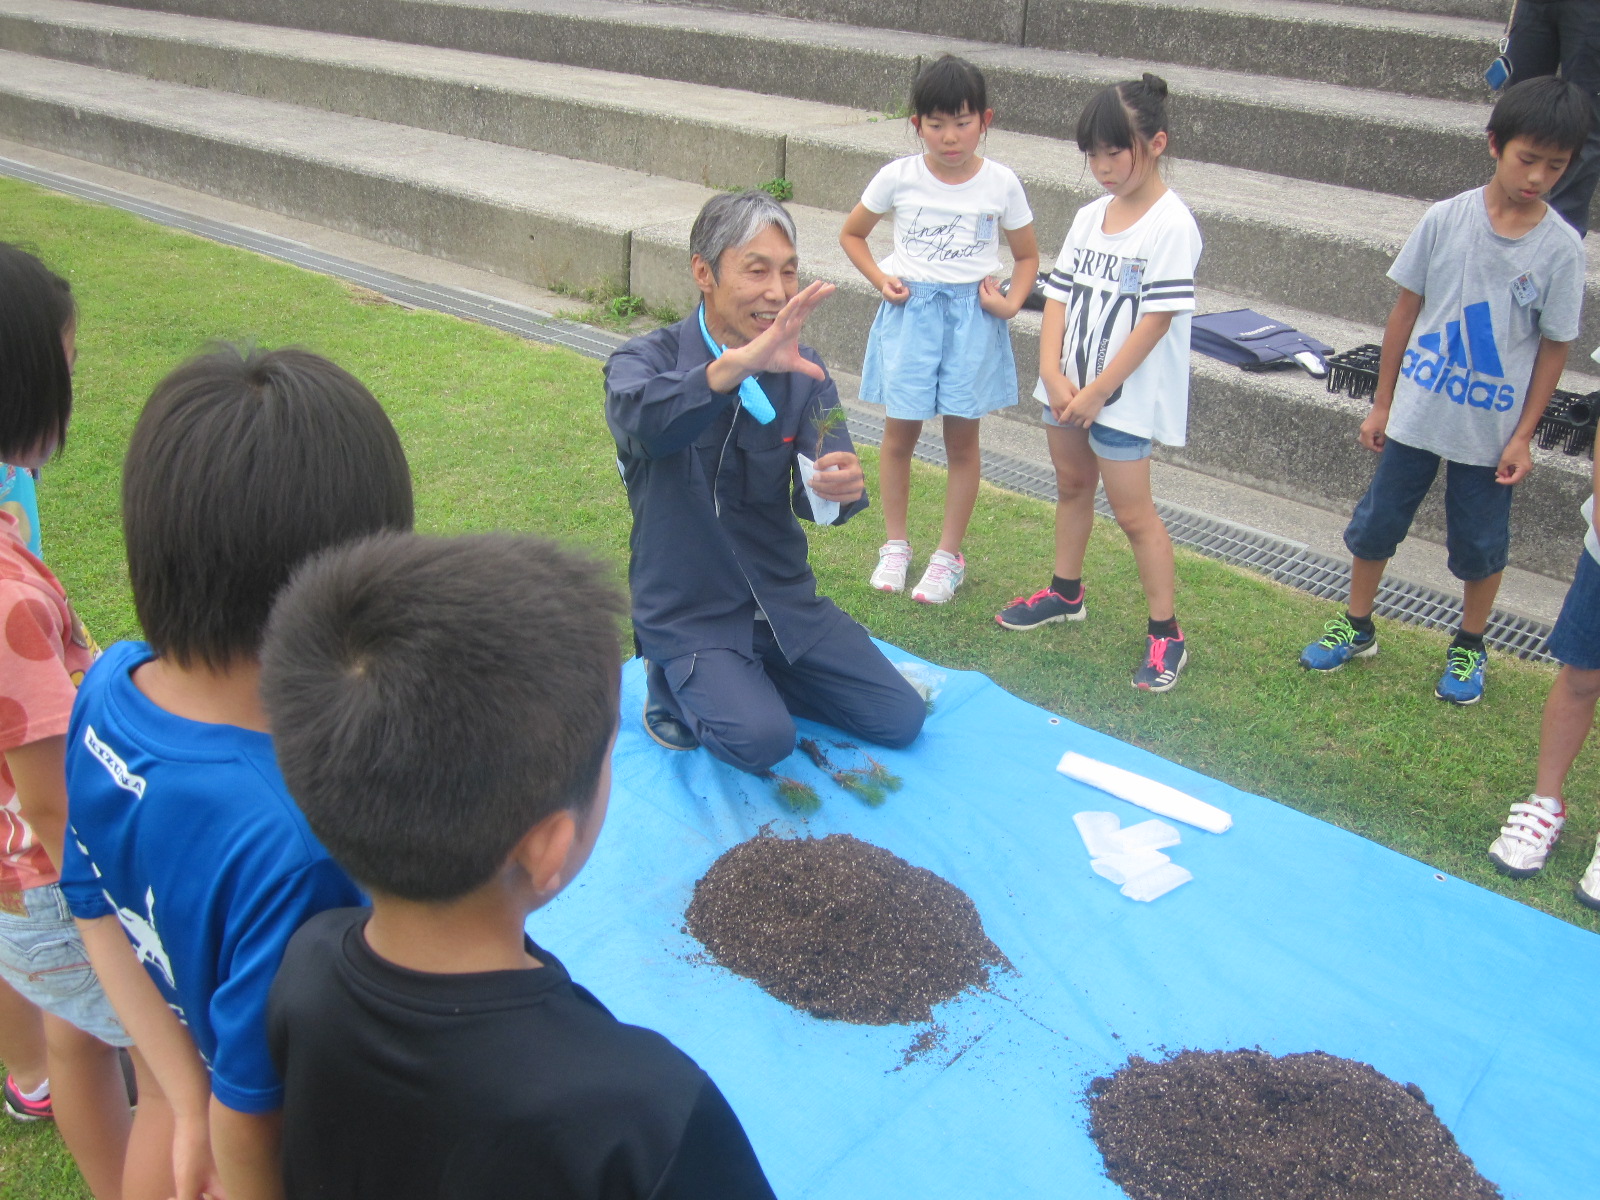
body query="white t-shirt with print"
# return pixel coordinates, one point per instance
(946, 232)
(1108, 281)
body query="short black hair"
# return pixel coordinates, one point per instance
(1124, 116)
(36, 308)
(243, 463)
(1546, 110)
(948, 85)
(433, 699)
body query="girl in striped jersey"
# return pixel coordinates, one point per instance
(1114, 364)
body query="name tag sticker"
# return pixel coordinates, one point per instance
(987, 224)
(1523, 289)
(1132, 281)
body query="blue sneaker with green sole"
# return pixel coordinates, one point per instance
(1340, 642)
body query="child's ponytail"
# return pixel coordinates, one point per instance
(1124, 116)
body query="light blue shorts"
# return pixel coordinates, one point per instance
(42, 957)
(938, 355)
(1110, 443)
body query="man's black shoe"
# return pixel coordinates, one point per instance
(664, 727)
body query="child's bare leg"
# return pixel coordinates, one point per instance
(1128, 489)
(894, 474)
(1477, 602)
(91, 1104)
(21, 1039)
(1366, 575)
(1568, 716)
(963, 470)
(1077, 476)
(147, 1171)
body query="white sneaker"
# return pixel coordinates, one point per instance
(1527, 837)
(894, 559)
(1588, 889)
(940, 581)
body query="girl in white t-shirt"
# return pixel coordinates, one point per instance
(1114, 364)
(939, 345)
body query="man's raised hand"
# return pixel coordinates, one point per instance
(778, 349)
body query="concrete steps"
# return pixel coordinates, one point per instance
(1316, 131)
(1410, 52)
(570, 142)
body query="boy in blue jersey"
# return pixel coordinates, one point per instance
(1491, 286)
(444, 711)
(187, 864)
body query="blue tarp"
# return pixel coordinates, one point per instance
(1293, 936)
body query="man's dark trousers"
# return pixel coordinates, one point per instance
(1564, 34)
(742, 708)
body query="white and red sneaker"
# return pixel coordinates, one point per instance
(1528, 836)
(894, 560)
(940, 581)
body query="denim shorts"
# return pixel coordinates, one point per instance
(42, 957)
(1477, 511)
(938, 355)
(1576, 637)
(1110, 443)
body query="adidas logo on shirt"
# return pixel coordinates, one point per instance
(1462, 367)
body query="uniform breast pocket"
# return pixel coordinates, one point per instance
(767, 459)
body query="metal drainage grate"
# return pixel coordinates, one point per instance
(1277, 558)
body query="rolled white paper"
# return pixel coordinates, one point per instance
(1146, 793)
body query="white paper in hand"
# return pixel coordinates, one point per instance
(823, 512)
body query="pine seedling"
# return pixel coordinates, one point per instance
(800, 797)
(875, 772)
(861, 787)
(827, 422)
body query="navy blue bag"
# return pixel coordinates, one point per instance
(1257, 343)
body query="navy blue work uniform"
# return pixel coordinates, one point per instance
(725, 606)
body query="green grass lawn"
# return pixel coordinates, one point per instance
(503, 434)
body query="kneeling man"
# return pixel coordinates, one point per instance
(717, 422)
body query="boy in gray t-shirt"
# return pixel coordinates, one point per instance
(1491, 284)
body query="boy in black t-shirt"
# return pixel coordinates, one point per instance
(444, 711)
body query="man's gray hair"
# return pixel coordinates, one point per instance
(732, 219)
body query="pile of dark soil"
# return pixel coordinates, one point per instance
(1243, 1125)
(841, 929)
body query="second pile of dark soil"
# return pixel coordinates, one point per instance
(840, 928)
(1243, 1125)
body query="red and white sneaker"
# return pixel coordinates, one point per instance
(20, 1108)
(1528, 836)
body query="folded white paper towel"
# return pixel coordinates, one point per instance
(1152, 885)
(1146, 793)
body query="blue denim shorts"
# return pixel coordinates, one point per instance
(1110, 443)
(938, 355)
(1576, 637)
(42, 957)
(1477, 511)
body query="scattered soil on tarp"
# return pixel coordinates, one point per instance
(1243, 1125)
(840, 928)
